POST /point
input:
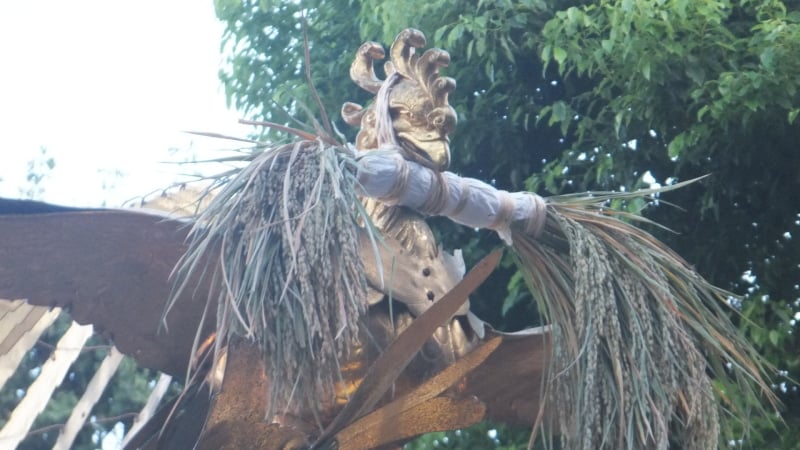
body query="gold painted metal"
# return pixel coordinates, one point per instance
(421, 121)
(421, 115)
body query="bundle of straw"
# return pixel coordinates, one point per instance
(637, 334)
(634, 331)
(289, 272)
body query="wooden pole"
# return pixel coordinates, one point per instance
(90, 397)
(41, 390)
(21, 325)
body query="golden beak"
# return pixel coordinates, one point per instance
(430, 149)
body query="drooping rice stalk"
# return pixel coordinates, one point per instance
(637, 334)
(289, 273)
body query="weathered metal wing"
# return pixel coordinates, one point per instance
(109, 268)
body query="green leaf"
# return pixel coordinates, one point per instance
(565, 127)
(506, 48)
(546, 53)
(455, 34)
(573, 14)
(696, 73)
(559, 111)
(627, 5)
(702, 112)
(480, 46)
(437, 36)
(227, 9)
(617, 122)
(508, 303)
(793, 115)
(774, 337)
(560, 55)
(767, 58)
(543, 113)
(675, 147)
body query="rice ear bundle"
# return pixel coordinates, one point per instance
(637, 334)
(289, 273)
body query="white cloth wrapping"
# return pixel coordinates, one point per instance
(386, 176)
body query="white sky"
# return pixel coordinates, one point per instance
(107, 85)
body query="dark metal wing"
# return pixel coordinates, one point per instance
(110, 268)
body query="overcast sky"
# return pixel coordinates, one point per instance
(107, 86)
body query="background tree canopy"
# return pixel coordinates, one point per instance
(560, 96)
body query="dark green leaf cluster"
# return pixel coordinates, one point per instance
(264, 46)
(686, 88)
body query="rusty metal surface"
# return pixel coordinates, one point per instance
(111, 269)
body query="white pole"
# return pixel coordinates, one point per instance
(40, 391)
(21, 325)
(90, 397)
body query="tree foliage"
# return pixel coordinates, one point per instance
(687, 88)
(561, 96)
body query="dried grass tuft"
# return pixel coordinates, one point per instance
(289, 273)
(637, 334)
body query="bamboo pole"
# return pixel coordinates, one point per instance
(41, 390)
(21, 325)
(90, 397)
(149, 407)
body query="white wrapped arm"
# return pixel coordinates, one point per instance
(386, 176)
